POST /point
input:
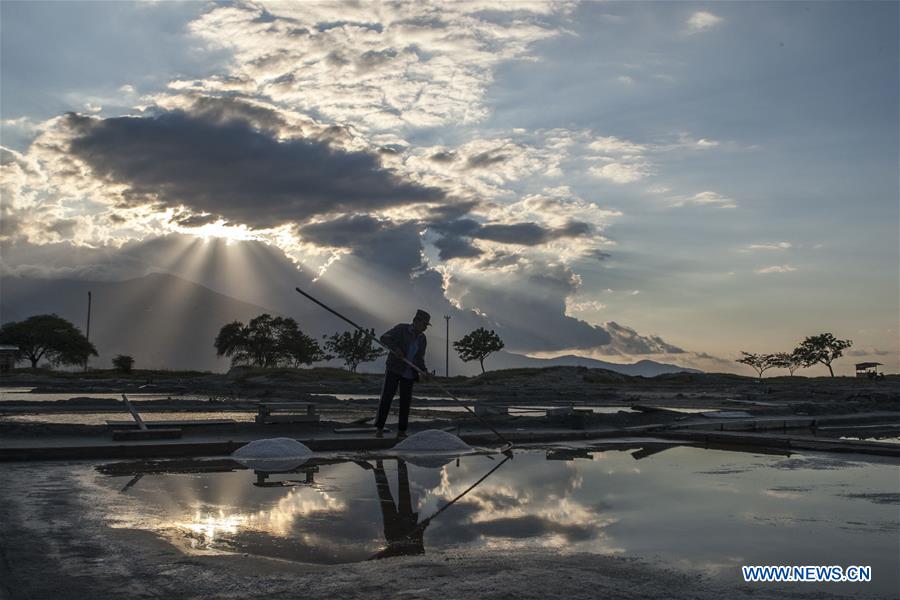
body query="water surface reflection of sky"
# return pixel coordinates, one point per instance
(706, 510)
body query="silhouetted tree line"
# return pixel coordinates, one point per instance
(817, 349)
(47, 337)
(268, 342)
(265, 341)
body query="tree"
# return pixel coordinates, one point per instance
(760, 362)
(353, 347)
(478, 345)
(787, 360)
(823, 348)
(123, 363)
(267, 341)
(232, 342)
(295, 347)
(48, 337)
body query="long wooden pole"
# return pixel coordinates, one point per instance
(447, 349)
(88, 330)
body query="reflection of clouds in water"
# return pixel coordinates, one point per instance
(505, 512)
(817, 464)
(207, 527)
(782, 494)
(783, 520)
(726, 566)
(278, 520)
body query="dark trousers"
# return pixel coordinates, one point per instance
(391, 382)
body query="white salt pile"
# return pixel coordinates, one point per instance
(273, 448)
(432, 440)
(275, 454)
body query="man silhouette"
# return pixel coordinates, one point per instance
(406, 340)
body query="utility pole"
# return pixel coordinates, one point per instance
(88, 330)
(447, 350)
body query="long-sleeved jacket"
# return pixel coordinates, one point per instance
(400, 337)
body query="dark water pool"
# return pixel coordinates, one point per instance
(704, 510)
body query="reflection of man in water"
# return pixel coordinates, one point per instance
(401, 525)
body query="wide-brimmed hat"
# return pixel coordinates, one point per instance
(423, 316)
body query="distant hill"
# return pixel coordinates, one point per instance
(645, 368)
(166, 322)
(161, 320)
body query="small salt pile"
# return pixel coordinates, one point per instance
(275, 454)
(432, 440)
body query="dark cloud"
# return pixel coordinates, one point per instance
(232, 170)
(336, 59)
(7, 157)
(345, 232)
(530, 234)
(452, 246)
(523, 234)
(485, 159)
(226, 110)
(626, 340)
(466, 227)
(322, 27)
(387, 244)
(443, 157)
(375, 58)
(597, 254)
(527, 307)
(65, 228)
(195, 220)
(336, 133)
(65, 260)
(498, 260)
(708, 356)
(10, 224)
(445, 213)
(530, 526)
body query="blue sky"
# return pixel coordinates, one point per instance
(734, 165)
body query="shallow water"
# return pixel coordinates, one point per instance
(704, 510)
(527, 409)
(25, 394)
(89, 418)
(100, 418)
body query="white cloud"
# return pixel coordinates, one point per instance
(776, 269)
(614, 145)
(702, 20)
(770, 246)
(379, 66)
(704, 199)
(620, 172)
(573, 306)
